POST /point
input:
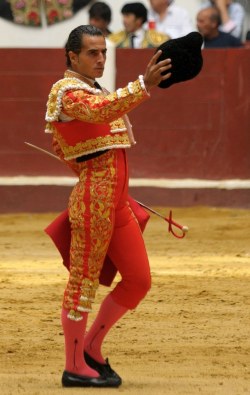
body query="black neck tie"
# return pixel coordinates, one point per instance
(132, 40)
(98, 86)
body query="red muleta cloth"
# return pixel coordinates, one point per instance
(60, 232)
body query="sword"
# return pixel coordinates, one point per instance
(169, 220)
(42, 150)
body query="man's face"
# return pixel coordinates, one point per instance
(131, 23)
(159, 5)
(91, 60)
(99, 23)
(204, 23)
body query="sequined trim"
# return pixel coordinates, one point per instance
(141, 80)
(54, 103)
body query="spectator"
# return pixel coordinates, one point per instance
(134, 34)
(100, 17)
(247, 42)
(232, 16)
(169, 18)
(208, 22)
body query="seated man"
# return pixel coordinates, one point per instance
(208, 22)
(232, 16)
(169, 18)
(134, 35)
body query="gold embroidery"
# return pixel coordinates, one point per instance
(74, 315)
(115, 140)
(90, 210)
(81, 102)
(87, 104)
(118, 125)
(57, 91)
(87, 107)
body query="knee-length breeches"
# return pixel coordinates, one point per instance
(102, 221)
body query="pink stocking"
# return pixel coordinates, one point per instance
(74, 345)
(110, 312)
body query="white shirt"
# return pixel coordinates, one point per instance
(236, 14)
(138, 37)
(177, 22)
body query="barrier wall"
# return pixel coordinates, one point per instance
(199, 129)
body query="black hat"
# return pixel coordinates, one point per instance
(185, 53)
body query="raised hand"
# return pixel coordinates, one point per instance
(153, 74)
(222, 6)
(222, 3)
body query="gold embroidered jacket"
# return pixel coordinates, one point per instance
(84, 120)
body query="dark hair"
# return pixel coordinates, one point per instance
(100, 10)
(138, 9)
(74, 42)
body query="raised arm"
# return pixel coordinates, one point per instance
(85, 106)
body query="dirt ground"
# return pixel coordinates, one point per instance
(190, 335)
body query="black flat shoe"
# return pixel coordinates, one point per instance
(105, 370)
(75, 380)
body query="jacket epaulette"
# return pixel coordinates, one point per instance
(117, 38)
(156, 38)
(152, 39)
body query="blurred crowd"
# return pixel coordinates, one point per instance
(220, 22)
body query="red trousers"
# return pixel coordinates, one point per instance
(102, 222)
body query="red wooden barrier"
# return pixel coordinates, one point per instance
(197, 129)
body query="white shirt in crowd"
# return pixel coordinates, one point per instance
(138, 38)
(177, 22)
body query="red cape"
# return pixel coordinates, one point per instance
(60, 232)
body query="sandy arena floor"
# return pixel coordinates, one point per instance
(190, 335)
